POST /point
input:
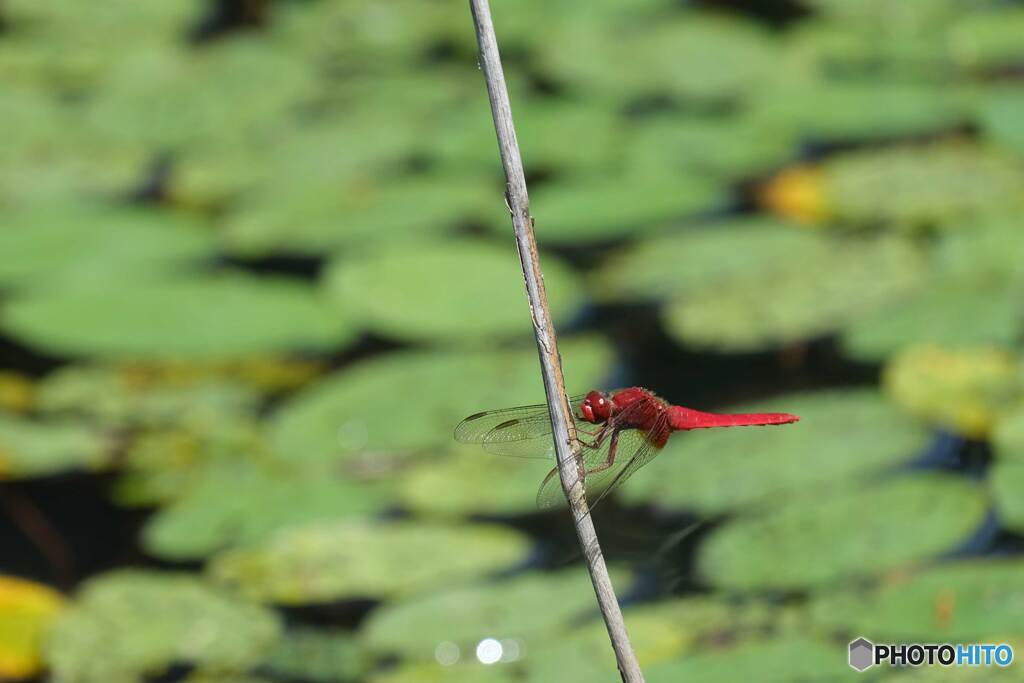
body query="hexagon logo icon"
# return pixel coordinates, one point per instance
(862, 654)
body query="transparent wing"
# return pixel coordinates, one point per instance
(617, 455)
(523, 432)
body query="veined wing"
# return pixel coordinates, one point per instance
(523, 432)
(633, 448)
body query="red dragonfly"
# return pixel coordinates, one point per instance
(619, 432)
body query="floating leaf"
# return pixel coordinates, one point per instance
(949, 313)
(474, 482)
(913, 187)
(530, 609)
(205, 318)
(608, 207)
(692, 57)
(367, 407)
(815, 541)
(844, 439)
(798, 297)
(988, 41)
(85, 245)
(1007, 480)
(325, 211)
(329, 561)
(316, 655)
(861, 110)
(26, 611)
(966, 601)
(658, 267)
(144, 622)
(1008, 435)
(475, 291)
(238, 505)
(727, 147)
(962, 390)
(151, 394)
(32, 448)
(17, 392)
(773, 661)
(1000, 115)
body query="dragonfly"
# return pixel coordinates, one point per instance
(619, 432)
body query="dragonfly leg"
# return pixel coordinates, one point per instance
(610, 460)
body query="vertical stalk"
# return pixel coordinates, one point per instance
(563, 427)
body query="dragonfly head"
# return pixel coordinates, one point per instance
(596, 407)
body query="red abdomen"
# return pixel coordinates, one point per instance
(684, 418)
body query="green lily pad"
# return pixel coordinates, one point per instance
(782, 660)
(163, 465)
(815, 542)
(82, 245)
(530, 608)
(606, 207)
(797, 298)
(921, 187)
(999, 116)
(239, 505)
(1007, 480)
(474, 482)
(33, 448)
(328, 561)
(309, 654)
(665, 265)
(843, 439)
(1008, 435)
(950, 313)
(873, 47)
(201, 318)
(964, 390)
(694, 57)
(145, 622)
(724, 147)
(351, 207)
(367, 407)
(988, 41)
(475, 291)
(868, 110)
(171, 100)
(967, 601)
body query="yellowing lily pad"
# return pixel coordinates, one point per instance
(202, 317)
(26, 611)
(813, 542)
(328, 561)
(454, 291)
(145, 622)
(964, 390)
(844, 439)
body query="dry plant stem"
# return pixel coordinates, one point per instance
(563, 428)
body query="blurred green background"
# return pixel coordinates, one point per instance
(255, 265)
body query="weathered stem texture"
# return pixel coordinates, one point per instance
(563, 428)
